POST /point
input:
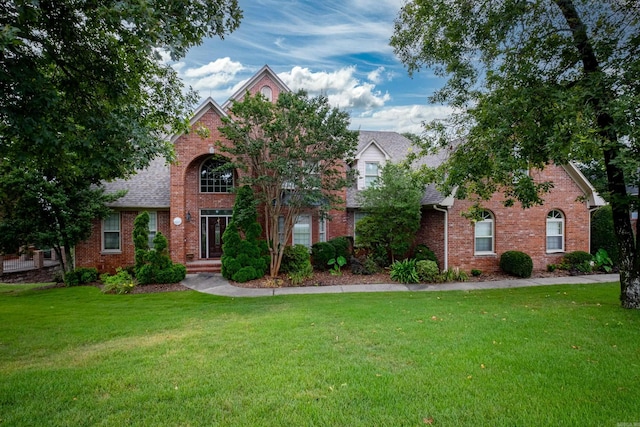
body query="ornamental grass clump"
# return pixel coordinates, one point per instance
(405, 271)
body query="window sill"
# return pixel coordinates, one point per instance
(556, 251)
(111, 252)
(485, 254)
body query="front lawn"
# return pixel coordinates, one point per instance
(560, 355)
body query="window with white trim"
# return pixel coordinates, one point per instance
(322, 230)
(555, 231)
(484, 234)
(371, 173)
(302, 231)
(111, 233)
(281, 230)
(267, 93)
(357, 216)
(153, 227)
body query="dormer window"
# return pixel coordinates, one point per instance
(267, 93)
(371, 173)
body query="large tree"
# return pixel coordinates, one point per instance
(393, 208)
(85, 96)
(294, 152)
(535, 82)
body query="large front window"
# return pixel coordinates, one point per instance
(215, 178)
(302, 231)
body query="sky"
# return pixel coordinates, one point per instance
(336, 48)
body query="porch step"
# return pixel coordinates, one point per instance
(204, 266)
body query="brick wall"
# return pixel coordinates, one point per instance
(522, 229)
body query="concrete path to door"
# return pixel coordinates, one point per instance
(215, 284)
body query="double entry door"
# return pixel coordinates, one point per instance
(213, 222)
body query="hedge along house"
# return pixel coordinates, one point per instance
(191, 203)
(546, 232)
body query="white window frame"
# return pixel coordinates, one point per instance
(555, 217)
(322, 230)
(153, 227)
(109, 226)
(267, 92)
(302, 238)
(487, 218)
(357, 216)
(369, 178)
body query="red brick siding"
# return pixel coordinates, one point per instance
(89, 253)
(522, 229)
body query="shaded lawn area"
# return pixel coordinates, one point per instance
(560, 355)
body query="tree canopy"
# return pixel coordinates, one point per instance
(86, 96)
(393, 208)
(293, 153)
(535, 82)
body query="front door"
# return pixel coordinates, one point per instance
(211, 230)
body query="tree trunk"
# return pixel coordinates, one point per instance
(620, 201)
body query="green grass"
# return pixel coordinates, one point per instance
(561, 355)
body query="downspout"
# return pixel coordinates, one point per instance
(446, 235)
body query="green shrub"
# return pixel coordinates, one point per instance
(603, 235)
(454, 274)
(174, 274)
(577, 258)
(298, 277)
(603, 261)
(364, 265)
(475, 272)
(427, 270)
(81, 276)
(321, 253)
(343, 246)
(422, 252)
(336, 265)
(405, 271)
(244, 274)
(294, 259)
(119, 283)
(516, 263)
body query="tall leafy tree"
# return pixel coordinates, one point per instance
(393, 211)
(294, 153)
(535, 82)
(86, 96)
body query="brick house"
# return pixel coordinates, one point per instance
(191, 203)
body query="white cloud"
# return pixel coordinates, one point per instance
(375, 75)
(214, 75)
(341, 87)
(408, 118)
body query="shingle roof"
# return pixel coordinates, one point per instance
(148, 188)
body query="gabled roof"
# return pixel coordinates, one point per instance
(208, 104)
(264, 71)
(593, 198)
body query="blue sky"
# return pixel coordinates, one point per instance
(339, 48)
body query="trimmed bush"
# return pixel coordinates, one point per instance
(119, 283)
(427, 270)
(81, 276)
(321, 254)
(422, 252)
(343, 246)
(576, 258)
(295, 259)
(516, 263)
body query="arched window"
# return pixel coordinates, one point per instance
(484, 234)
(555, 231)
(267, 93)
(214, 178)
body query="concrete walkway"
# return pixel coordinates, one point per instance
(215, 284)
